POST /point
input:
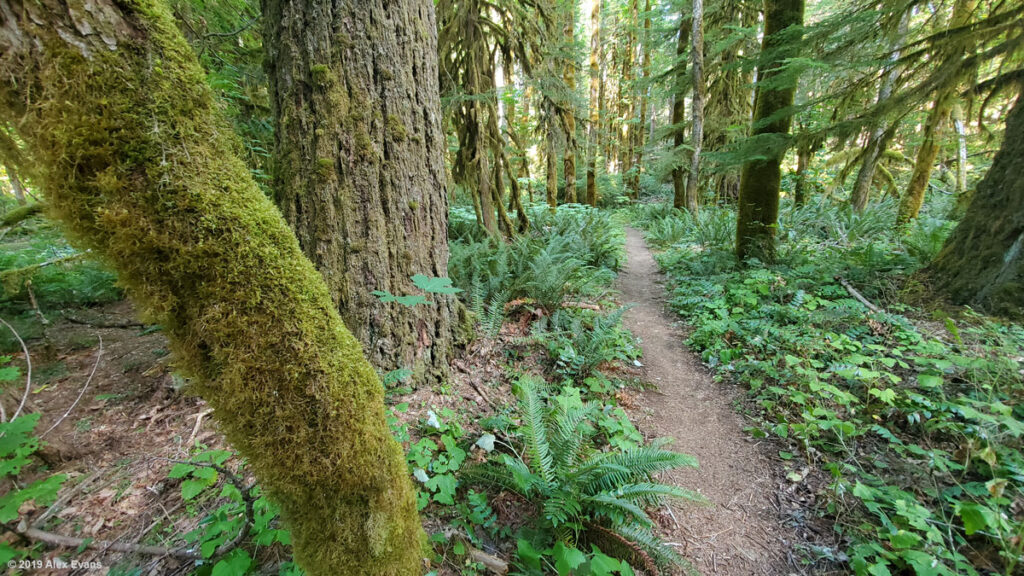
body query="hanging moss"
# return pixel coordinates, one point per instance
(140, 166)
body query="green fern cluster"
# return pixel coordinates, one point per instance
(583, 492)
(569, 254)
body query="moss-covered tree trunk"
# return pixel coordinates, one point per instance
(982, 262)
(679, 116)
(16, 186)
(359, 171)
(638, 129)
(938, 116)
(729, 85)
(135, 159)
(627, 97)
(876, 136)
(568, 108)
(596, 101)
(697, 125)
(758, 210)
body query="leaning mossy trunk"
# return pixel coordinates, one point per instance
(982, 262)
(359, 171)
(758, 210)
(135, 159)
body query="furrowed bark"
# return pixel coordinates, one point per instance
(359, 171)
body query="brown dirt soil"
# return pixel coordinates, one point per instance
(740, 533)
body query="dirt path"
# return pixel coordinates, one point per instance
(740, 533)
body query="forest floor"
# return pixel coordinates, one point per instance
(742, 531)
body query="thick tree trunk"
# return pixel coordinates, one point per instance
(134, 157)
(876, 137)
(982, 262)
(758, 210)
(697, 138)
(945, 99)
(679, 116)
(594, 126)
(359, 169)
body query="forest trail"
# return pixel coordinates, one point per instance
(740, 533)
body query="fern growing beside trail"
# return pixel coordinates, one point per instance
(585, 494)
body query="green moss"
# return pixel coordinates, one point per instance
(321, 75)
(21, 213)
(140, 166)
(414, 205)
(325, 167)
(395, 128)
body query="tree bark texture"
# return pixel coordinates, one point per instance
(134, 157)
(359, 171)
(679, 116)
(594, 126)
(697, 134)
(982, 262)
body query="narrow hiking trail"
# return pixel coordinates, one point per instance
(740, 533)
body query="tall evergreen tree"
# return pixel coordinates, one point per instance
(758, 210)
(359, 170)
(596, 102)
(124, 138)
(697, 125)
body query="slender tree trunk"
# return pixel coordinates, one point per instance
(627, 97)
(135, 158)
(875, 146)
(638, 129)
(982, 262)
(679, 116)
(569, 106)
(16, 186)
(697, 138)
(961, 150)
(924, 163)
(758, 211)
(594, 127)
(552, 168)
(359, 168)
(803, 160)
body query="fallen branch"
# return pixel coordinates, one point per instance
(72, 542)
(101, 324)
(494, 564)
(858, 296)
(583, 305)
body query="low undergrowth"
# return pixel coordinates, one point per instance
(915, 418)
